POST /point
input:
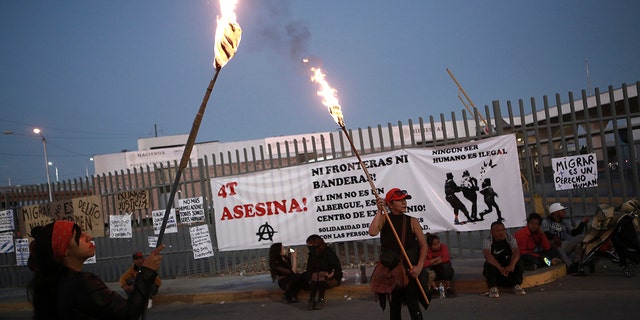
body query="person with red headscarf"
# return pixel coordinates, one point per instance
(61, 290)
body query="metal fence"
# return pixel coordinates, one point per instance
(603, 124)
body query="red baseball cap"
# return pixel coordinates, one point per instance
(137, 255)
(396, 194)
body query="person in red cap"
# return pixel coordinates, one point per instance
(61, 290)
(127, 279)
(410, 233)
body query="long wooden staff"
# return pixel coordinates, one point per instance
(228, 35)
(386, 214)
(186, 154)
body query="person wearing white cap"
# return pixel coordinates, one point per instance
(562, 236)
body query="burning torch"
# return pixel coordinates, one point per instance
(329, 99)
(227, 39)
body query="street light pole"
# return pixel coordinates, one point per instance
(46, 162)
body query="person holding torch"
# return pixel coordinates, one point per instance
(415, 245)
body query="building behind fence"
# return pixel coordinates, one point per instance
(603, 124)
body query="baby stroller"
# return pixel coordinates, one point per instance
(613, 235)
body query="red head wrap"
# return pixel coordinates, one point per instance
(62, 232)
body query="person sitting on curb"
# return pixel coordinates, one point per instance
(502, 265)
(439, 261)
(283, 266)
(127, 279)
(562, 237)
(324, 270)
(535, 249)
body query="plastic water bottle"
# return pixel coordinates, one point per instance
(358, 278)
(363, 274)
(441, 291)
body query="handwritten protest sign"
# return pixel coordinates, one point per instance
(153, 241)
(120, 226)
(575, 172)
(6, 220)
(191, 210)
(22, 251)
(130, 201)
(201, 242)
(85, 211)
(172, 224)
(6, 242)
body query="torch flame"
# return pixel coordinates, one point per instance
(329, 96)
(228, 34)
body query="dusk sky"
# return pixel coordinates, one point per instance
(96, 76)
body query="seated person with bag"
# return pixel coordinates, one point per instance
(439, 261)
(535, 249)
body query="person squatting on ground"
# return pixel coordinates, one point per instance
(562, 237)
(535, 249)
(439, 260)
(502, 265)
(61, 290)
(410, 233)
(324, 270)
(283, 266)
(128, 278)
(450, 190)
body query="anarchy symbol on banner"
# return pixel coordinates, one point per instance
(265, 232)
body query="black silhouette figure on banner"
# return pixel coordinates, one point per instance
(490, 200)
(450, 189)
(469, 187)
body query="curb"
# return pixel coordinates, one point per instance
(346, 291)
(469, 284)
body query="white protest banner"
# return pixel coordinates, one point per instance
(6, 220)
(120, 226)
(22, 251)
(201, 241)
(333, 198)
(158, 216)
(575, 172)
(191, 210)
(6, 242)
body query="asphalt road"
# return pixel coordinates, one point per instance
(603, 295)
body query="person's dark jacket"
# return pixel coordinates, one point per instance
(327, 261)
(82, 295)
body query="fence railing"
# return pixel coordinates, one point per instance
(603, 124)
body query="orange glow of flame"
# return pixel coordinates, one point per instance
(228, 33)
(329, 95)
